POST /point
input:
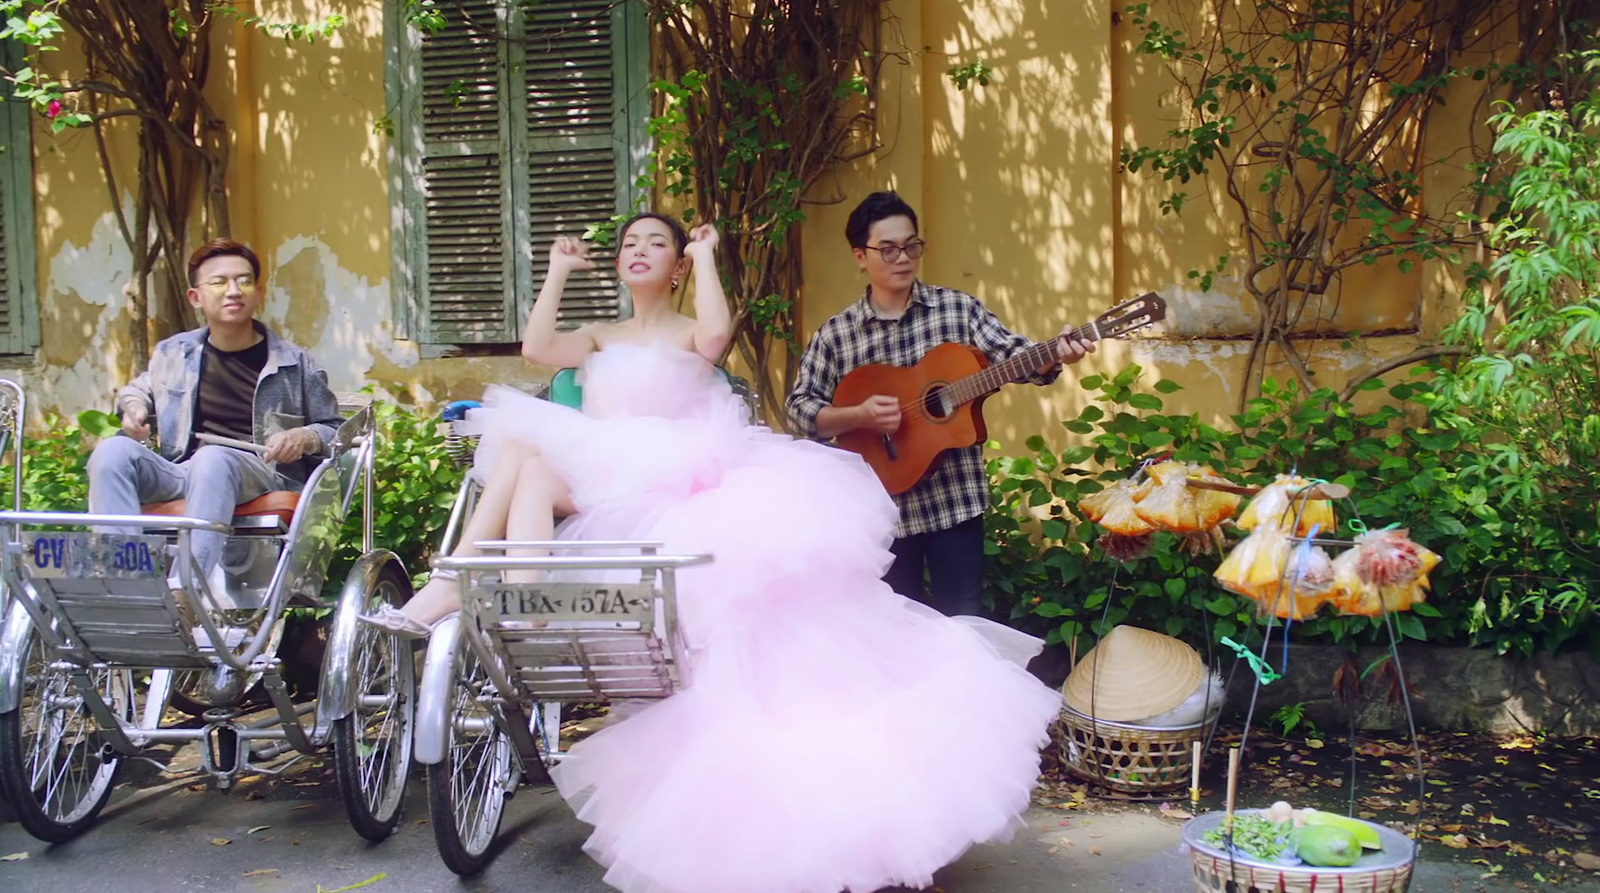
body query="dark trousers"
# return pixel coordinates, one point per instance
(953, 561)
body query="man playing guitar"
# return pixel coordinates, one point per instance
(896, 322)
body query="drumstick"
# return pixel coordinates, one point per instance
(219, 440)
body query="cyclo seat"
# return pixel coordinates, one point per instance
(274, 509)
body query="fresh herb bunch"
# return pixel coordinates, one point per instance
(1254, 836)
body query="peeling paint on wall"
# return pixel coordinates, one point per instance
(345, 320)
(84, 339)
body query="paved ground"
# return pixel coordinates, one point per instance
(162, 835)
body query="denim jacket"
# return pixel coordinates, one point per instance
(292, 392)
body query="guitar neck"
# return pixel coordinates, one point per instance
(994, 376)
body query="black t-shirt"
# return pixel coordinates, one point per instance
(225, 405)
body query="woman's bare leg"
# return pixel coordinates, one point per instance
(441, 595)
(541, 495)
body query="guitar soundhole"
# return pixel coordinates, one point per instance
(933, 403)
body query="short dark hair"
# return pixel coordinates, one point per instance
(679, 234)
(222, 248)
(875, 207)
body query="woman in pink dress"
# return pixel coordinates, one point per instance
(836, 735)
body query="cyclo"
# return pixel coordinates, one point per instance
(92, 615)
(602, 627)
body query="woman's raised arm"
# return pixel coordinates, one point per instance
(713, 322)
(542, 343)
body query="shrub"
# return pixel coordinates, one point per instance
(1511, 577)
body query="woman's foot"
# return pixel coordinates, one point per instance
(396, 622)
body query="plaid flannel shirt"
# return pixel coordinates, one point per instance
(956, 488)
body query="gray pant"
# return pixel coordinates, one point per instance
(124, 474)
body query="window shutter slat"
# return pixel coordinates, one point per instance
(467, 278)
(572, 152)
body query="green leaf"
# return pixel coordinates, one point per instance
(1411, 627)
(1144, 401)
(1168, 386)
(1075, 454)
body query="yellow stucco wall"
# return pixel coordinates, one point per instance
(1024, 205)
(1017, 184)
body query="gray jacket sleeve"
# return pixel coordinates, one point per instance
(322, 407)
(137, 390)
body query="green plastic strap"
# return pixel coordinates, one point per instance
(1265, 674)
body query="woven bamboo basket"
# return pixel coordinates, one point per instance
(1124, 757)
(1384, 871)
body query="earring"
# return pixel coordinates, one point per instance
(674, 283)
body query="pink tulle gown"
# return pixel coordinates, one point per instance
(835, 736)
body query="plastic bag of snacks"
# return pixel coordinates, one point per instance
(1172, 505)
(1280, 502)
(1113, 509)
(1385, 570)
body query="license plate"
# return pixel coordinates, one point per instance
(83, 555)
(621, 605)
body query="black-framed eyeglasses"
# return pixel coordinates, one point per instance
(891, 253)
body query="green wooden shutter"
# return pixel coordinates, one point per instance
(519, 122)
(18, 287)
(465, 273)
(577, 168)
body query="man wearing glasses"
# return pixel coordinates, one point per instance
(231, 379)
(896, 322)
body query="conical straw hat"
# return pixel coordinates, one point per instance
(1135, 673)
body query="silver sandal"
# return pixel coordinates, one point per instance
(397, 623)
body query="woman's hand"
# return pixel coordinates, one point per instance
(702, 243)
(568, 254)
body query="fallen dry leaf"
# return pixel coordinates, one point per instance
(1314, 743)
(1096, 850)
(1455, 841)
(1177, 813)
(1586, 861)
(355, 886)
(13, 857)
(260, 871)
(258, 828)
(220, 841)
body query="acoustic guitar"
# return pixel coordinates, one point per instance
(941, 397)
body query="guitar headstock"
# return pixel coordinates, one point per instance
(1130, 316)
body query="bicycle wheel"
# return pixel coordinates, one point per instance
(372, 746)
(55, 765)
(469, 789)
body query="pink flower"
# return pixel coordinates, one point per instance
(54, 109)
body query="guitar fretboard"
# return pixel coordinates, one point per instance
(991, 378)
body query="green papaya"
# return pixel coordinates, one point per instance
(1327, 845)
(1366, 833)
